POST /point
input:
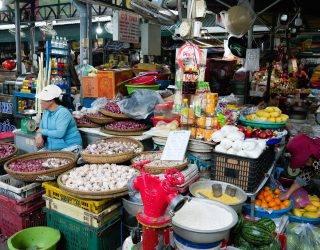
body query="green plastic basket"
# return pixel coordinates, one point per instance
(80, 236)
(266, 125)
(132, 88)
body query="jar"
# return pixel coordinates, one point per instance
(193, 130)
(211, 122)
(200, 133)
(208, 131)
(201, 121)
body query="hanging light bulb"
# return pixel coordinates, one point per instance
(298, 21)
(99, 29)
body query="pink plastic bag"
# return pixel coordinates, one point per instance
(300, 198)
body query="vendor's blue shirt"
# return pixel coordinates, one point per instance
(60, 129)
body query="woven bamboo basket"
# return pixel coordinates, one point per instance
(90, 125)
(116, 158)
(113, 115)
(95, 195)
(161, 170)
(127, 130)
(133, 161)
(123, 133)
(44, 175)
(100, 120)
(4, 159)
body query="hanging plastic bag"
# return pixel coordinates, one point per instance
(303, 236)
(99, 103)
(239, 18)
(140, 104)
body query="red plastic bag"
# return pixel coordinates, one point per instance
(301, 198)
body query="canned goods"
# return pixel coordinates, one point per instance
(208, 133)
(211, 122)
(201, 121)
(200, 133)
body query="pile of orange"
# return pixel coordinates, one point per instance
(269, 199)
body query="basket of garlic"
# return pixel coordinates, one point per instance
(97, 181)
(111, 150)
(156, 166)
(40, 166)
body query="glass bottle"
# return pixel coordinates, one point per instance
(184, 114)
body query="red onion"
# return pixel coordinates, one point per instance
(113, 107)
(37, 165)
(98, 115)
(6, 150)
(83, 120)
(125, 125)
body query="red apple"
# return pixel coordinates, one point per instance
(256, 133)
(241, 129)
(262, 135)
(269, 133)
(248, 133)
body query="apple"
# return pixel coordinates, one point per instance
(263, 135)
(256, 133)
(248, 133)
(241, 129)
(269, 133)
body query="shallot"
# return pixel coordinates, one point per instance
(37, 165)
(98, 177)
(114, 147)
(97, 115)
(126, 125)
(113, 107)
(83, 121)
(6, 150)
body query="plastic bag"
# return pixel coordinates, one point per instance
(140, 104)
(239, 18)
(301, 198)
(99, 103)
(302, 236)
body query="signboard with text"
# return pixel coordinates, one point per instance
(126, 27)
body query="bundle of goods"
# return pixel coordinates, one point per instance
(127, 127)
(155, 165)
(269, 205)
(256, 235)
(270, 117)
(112, 150)
(6, 151)
(96, 181)
(112, 109)
(40, 166)
(20, 205)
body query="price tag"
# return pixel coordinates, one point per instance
(176, 146)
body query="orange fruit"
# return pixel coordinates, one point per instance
(258, 202)
(266, 193)
(272, 203)
(268, 198)
(277, 191)
(260, 197)
(266, 188)
(277, 201)
(282, 206)
(276, 207)
(287, 203)
(264, 205)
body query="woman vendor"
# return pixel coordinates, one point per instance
(58, 130)
(305, 154)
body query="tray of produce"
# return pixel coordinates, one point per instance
(40, 166)
(7, 151)
(268, 204)
(84, 122)
(99, 118)
(156, 166)
(96, 181)
(272, 136)
(127, 126)
(112, 109)
(112, 150)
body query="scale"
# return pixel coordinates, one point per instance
(28, 125)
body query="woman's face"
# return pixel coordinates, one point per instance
(46, 104)
(309, 162)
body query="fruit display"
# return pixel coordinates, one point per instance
(37, 165)
(256, 235)
(269, 200)
(6, 150)
(269, 114)
(311, 211)
(250, 132)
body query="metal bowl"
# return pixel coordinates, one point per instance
(205, 236)
(131, 207)
(240, 194)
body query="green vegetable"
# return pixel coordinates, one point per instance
(292, 241)
(269, 223)
(258, 235)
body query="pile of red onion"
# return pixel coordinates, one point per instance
(97, 115)
(83, 120)
(6, 150)
(37, 165)
(113, 107)
(126, 125)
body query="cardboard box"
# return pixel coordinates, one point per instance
(106, 84)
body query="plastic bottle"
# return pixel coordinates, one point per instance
(184, 114)
(65, 45)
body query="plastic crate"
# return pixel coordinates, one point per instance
(245, 173)
(17, 189)
(79, 236)
(53, 191)
(11, 221)
(91, 219)
(23, 205)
